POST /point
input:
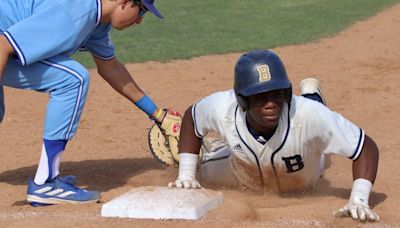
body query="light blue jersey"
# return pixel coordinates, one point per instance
(44, 33)
(40, 29)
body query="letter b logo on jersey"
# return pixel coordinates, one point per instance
(294, 163)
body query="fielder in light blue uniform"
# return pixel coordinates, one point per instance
(42, 43)
(36, 39)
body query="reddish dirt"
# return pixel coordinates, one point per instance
(359, 70)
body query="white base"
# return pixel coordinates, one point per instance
(162, 203)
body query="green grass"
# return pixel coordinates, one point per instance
(201, 27)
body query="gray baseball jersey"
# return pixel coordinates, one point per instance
(291, 158)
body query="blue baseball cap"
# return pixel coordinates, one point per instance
(149, 4)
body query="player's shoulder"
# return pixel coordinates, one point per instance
(301, 106)
(219, 102)
(101, 31)
(222, 97)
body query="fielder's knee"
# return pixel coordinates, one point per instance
(66, 101)
(81, 78)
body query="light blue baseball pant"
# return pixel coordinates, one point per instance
(65, 80)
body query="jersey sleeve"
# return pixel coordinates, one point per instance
(333, 132)
(100, 44)
(208, 112)
(42, 35)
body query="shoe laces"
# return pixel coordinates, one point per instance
(66, 182)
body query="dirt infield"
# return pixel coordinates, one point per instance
(360, 74)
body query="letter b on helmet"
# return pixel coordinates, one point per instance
(258, 72)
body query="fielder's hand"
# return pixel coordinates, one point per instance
(171, 123)
(357, 209)
(164, 136)
(171, 127)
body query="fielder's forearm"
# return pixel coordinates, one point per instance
(116, 74)
(119, 78)
(188, 141)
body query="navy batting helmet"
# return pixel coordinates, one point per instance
(258, 72)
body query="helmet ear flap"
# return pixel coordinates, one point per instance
(243, 103)
(288, 95)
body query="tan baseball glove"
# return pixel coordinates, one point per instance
(163, 138)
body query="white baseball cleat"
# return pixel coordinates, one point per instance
(311, 86)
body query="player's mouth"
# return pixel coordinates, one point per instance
(270, 118)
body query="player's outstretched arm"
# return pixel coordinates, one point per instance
(189, 147)
(5, 51)
(121, 80)
(364, 174)
(116, 74)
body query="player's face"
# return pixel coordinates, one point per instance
(265, 110)
(126, 15)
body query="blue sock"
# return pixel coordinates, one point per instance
(53, 147)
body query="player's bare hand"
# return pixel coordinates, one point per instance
(185, 183)
(357, 209)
